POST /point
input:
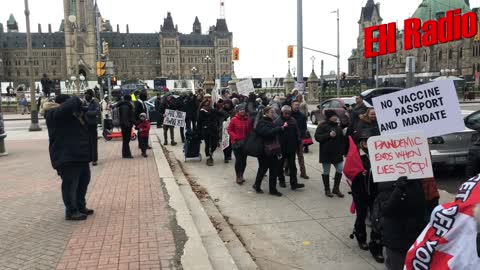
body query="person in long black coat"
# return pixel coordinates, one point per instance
(209, 128)
(333, 146)
(70, 152)
(158, 105)
(92, 116)
(289, 140)
(473, 160)
(127, 120)
(268, 131)
(403, 214)
(364, 192)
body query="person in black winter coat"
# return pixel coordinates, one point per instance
(168, 104)
(140, 106)
(403, 215)
(333, 146)
(367, 121)
(127, 120)
(191, 109)
(158, 106)
(289, 141)
(302, 126)
(209, 128)
(70, 152)
(266, 129)
(473, 160)
(92, 116)
(364, 191)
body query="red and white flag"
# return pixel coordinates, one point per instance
(449, 242)
(353, 166)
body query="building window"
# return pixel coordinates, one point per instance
(425, 57)
(440, 55)
(18, 73)
(460, 52)
(450, 53)
(54, 72)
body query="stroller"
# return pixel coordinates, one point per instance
(191, 148)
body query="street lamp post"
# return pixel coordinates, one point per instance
(300, 42)
(338, 52)
(73, 21)
(208, 58)
(34, 126)
(194, 70)
(3, 151)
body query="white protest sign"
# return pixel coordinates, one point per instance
(432, 108)
(225, 136)
(403, 154)
(174, 118)
(245, 87)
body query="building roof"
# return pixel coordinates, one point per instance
(428, 9)
(368, 11)
(189, 40)
(221, 25)
(168, 25)
(15, 40)
(11, 20)
(131, 40)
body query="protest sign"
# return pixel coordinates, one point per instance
(404, 154)
(432, 108)
(245, 87)
(225, 136)
(174, 118)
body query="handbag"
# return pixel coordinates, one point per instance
(308, 140)
(253, 145)
(272, 148)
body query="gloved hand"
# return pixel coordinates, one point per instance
(401, 182)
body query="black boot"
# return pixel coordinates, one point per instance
(336, 185)
(75, 216)
(377, 251)
(295, 185)
(281, 182)
(361, 239)
(326, 184)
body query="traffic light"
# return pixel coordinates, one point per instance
(105, 47)
(290, 51)
(114, 80)
(101, 69)
(236, 52)
(344, 76)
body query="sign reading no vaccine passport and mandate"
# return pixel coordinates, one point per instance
(432, 108)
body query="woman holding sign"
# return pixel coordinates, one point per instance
(332, 149)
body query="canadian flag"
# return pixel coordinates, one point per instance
(449, 242)
(353, 166)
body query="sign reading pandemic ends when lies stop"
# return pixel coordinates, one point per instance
(432, 108)
(404, 154)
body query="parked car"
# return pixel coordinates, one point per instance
(369, 94)
(336, 104)
(452, 149)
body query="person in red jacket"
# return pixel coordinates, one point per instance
(238, 129)
(143, 132)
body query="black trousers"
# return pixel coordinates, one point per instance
(75, 180)
(362, 206)
(143, 143)
(210, 145)
(182, 134)
(240, 162)
(270, 164)
(191, 124)
(93, 141)
(290, 159)
(227, 153)
(160, 121)
(126, 133)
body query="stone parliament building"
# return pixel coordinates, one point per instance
(168, 54)
(459, 58)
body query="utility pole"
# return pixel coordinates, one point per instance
(34, 126)
(3, 135)
(338, 53)
(321, 81)
(300, 42)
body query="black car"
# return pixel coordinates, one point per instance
(369, 94)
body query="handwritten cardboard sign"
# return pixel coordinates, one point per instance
(225, 136)
(245, 87)
(432, 108)
(174, 118)
(404, 154)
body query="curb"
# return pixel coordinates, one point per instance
(194, 255)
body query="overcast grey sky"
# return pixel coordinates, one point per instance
(262, 29)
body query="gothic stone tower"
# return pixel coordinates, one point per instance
(80, 38)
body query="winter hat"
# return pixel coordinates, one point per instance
(240, 107)
(143, 115)
(329, 114)
(61, 98)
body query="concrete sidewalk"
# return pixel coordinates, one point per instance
(18, 116)
(301, 230)
(132, 228)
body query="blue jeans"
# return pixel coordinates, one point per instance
(327, 166)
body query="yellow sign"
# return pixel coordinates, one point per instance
(290, 51)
